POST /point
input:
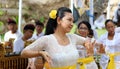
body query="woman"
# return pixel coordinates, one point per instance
(84, 29)
(60, 47)
(111, 40)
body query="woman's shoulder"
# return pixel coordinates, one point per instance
(73, 35)
(46, 37)
(104, 35)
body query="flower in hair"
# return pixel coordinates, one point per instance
(52, 14)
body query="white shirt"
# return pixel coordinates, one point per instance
(111, 45)
(60, 55)
(9, 35)
(117, 29)
(35, 36)
(18, 45)
(115, 15)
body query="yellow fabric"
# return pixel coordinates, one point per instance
(66, 67)
(47, 66)
(111, 64)
(84, 61)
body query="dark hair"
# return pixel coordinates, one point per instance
(29, 27)
(37, 22)
(52, 23)
(11, 21)
(109, 20)
(86, 23)
(88, 26)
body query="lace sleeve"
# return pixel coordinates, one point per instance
(79, 40)
(39, 44)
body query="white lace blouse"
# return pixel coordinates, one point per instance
(111, 46)
(60, 55)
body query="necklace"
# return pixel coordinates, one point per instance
(62, 40)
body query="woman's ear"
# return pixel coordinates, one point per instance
(58, 20)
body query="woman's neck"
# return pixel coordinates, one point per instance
(110, 36)
(61, 37)
(59, 32)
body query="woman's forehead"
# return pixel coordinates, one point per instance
(68, 14)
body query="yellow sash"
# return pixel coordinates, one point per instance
(83, 61)
(111, 64)
(66, 67)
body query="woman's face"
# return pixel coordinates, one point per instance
(110, 27)
(83, 30)
(66, 22)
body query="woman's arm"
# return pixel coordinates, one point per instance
(34, 49)
(30, 54)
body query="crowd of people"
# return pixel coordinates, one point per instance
(62, 50)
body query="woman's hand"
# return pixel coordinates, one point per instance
(101, 49)
(46, 56)
(90, 47)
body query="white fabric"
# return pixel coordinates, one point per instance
(60, 55)
(99, 22)
(18, 45)
(117, 29)
(35, 36)
(117, 65)
(9, 35)
(115, 15)
(111, 46)
(95, 34)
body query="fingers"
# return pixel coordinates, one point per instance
(93, 43)
(102, 49)
(47, 57)
(90, 46)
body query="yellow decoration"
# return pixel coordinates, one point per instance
(52, 14)
(66, 67)
(111, 64)
(83, 61)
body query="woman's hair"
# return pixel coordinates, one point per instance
(109, 20)
(88, 26)
(52, 23)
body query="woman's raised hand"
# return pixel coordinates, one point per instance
(101, 49)
(89, 47)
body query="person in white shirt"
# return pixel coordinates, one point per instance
(116, 16)
(111, 41)
(60, 47)
(84, 30)
(39, 28)
(12, 33)
(18, 45)
(34, 62)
